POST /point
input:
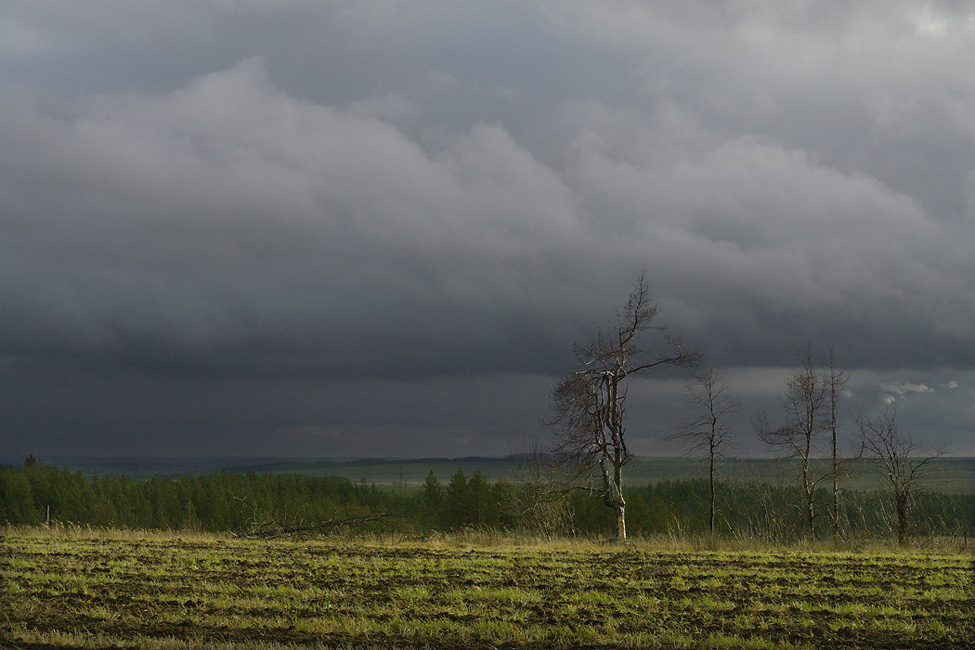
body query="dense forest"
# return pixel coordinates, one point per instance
(224, 501)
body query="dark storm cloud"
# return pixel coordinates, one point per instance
(229, 216)
(251, 204)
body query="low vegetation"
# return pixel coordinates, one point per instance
(69, 587)
(249, 502)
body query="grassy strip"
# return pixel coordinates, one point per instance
(102, 591)
(488, 537)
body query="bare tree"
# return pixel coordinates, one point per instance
(902, 463)
(836, 380)
(707, 432)
(806, 403)
(589, 402)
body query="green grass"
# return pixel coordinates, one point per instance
(99, 589)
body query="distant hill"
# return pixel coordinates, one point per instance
(394, 471)
(948, 475)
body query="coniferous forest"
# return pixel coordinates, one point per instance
(36, 493)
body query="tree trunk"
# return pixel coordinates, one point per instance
(621, 524)
(613, 496)
(836, 462)
(902, 519)
(836, 495)
(711, 495)
(808, 488)
(810, 514)
(836, 384)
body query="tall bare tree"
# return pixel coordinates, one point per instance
(707, 432)
(589, 402)
(836, 379)
(902, 463)
(806, 404)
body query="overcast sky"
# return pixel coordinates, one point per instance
(374, 228)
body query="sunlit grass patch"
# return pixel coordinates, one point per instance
(297, 594)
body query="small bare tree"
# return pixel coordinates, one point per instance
(806, 403)
(707, 432)
(902, 463)
(589, 402)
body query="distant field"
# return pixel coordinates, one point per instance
(133, 590)
(414, 472)
(948, 475)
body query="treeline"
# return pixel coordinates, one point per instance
(224, 501)
(37, 493)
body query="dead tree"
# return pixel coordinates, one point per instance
(836, 380)
(707, 432)
(806, 404)
(589, 402)
(901, 462)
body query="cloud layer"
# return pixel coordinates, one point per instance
(263, 204)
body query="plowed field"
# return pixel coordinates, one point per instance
(97, 593)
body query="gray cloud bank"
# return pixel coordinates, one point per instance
(369, 227)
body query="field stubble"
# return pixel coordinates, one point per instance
(126, 590)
